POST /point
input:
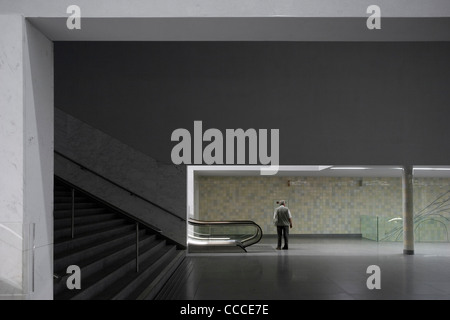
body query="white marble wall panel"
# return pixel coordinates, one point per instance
(39, 121)
(38, 146)
(11, 255)
(11, 149)
(26, 159)
(11, 119)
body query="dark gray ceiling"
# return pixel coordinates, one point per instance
(344, 103)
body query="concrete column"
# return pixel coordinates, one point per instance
(11, 155)
(26, 161)
(408, 210)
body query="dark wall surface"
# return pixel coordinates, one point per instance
(334, 103)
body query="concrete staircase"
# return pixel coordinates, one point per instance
(176, 286)
(104, 246)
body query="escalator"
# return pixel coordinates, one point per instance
(222, 236)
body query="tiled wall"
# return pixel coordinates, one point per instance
(319, 205)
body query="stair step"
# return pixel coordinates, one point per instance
(171, 290)
(147, 245)
(67, 198)
(78, 205)
(153, 276)
(82, 254)
(126, 286)
(60, 214)
(104, 247)
(58, 187)
(149, 291)
(95, 266)
(67, 222)
(67, 245)
(87, 228)
(63, 193)
(106, 277)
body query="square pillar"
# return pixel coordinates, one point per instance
(408, 210)
(26, 159)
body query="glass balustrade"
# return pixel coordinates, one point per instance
(431, 222)
(427, 228)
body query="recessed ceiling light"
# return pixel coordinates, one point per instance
(303, 168)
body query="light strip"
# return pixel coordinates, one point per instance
(349, 168)
(432, 169)
(256, 168)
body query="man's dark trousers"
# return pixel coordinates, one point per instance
(283, 230)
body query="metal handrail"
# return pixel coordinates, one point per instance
(132, 193)
(115, 209)
(112, 207)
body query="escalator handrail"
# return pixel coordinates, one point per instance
(203, 222)
(232, 222)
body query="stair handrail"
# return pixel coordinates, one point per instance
(116, 210)
(103, 202)
(132, 193)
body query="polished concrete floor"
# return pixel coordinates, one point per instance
(319, 269)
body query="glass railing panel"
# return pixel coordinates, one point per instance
(369, 227)
(432, 222)
(432, 228)
(390, 229)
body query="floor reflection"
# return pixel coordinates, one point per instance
(320, 269)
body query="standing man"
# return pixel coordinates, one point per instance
(283, 220)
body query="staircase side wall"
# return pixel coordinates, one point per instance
(163, 184)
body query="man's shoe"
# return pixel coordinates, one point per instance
(278, 248)
(285, 248)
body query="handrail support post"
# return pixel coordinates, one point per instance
(137, 246)
(73, 214)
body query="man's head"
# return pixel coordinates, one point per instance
(282, 203)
